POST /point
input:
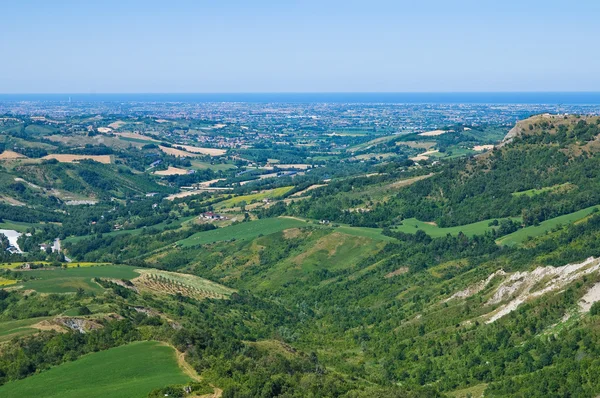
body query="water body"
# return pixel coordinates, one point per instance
(578, 98)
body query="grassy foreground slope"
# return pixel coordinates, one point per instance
(128, 371)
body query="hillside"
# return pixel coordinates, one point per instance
(471, 275)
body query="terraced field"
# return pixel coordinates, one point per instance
(135, 370)
(184, 284)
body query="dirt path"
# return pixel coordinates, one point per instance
(186, 367)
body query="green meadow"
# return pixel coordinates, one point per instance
(129, 371)
(243, 231)
(521, 235)
(71, 279)
(412, 225)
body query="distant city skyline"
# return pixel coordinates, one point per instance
(264, 46)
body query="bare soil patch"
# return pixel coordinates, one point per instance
(171, 171)
(9, 155)
(64, 158)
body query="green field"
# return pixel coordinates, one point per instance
(129, 371)
(372, 233)
(412, 225)
(17, 226)
(18, 328)
(75, 264)
(242, 231)
(329, 252)
(521, 235)
(160, 226)
(71, 279)
(255, 197)
(553, 188)
(197, 164)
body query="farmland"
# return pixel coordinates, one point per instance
(412, 225)
(521, 235)
(255, 197)
(21, 327)
(71, 279)
(242, 231)
(106, 159)
(553, 188)
(184, 284)
(135, 370)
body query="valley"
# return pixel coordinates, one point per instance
(355, 256)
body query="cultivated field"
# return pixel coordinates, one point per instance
(171, 171)
(204, 151)
(136, 136)
(178, 152)
(9, 155)
(269, 194)
(433, 133)
(173, 282)
(64, 158)
(243, 231)
(71, 279)
(129, 371)
(18, 328)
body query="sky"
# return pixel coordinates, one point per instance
(173, 46)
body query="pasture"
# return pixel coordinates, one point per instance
(18, 328)
(554, 188)
(255, 197)
(412, 225)
(71, 279)
(521, 235)
(129, 371)
(243, 231)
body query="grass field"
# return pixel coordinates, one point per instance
(69, 280)
(129, 371)
(74, 264)
(197, 164)
(17, 226)
(243, 231)
(412, 225)
(160, 226)
(372, 233)
(269, 194)
(18, 328)
(330, 252)
(6, 282)
(553, 188)
(521, 235)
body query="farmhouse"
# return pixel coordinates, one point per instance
(209, 215)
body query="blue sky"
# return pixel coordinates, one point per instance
(130, 46)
